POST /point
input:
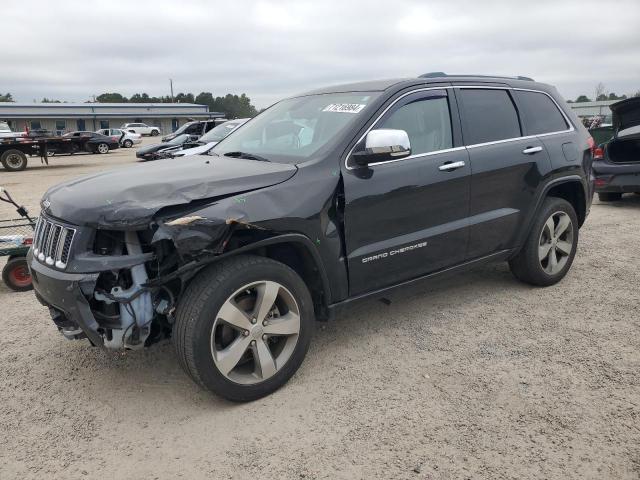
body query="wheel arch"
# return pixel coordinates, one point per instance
(570, 188)
(297, 252)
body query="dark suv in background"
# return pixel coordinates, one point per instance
(323, 199)
(195, 129)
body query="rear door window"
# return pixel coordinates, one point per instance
(539, 113)
(489, 115)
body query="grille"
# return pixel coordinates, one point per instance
(52, 242)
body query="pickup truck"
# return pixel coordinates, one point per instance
(324, 199)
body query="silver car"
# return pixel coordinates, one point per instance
(128, 140)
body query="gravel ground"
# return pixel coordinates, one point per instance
(478, 376)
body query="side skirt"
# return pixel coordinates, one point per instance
(502, 255)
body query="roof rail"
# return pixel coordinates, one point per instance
(442, 74)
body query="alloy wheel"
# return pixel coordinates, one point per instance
(255, 332)
(103, 148)
(556, 243)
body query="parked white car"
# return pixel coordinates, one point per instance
(141, 128)
(129, 140)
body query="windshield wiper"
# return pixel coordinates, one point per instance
(247, 156)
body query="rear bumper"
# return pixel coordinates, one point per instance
(64, 294)
(616, 178)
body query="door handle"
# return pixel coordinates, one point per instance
(531, 150)
(447, 167)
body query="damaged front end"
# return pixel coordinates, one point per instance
(100, 292)
(119, 288)
(113, 252)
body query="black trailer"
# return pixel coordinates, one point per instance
(14, 150)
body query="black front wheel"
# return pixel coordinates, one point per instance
(243, 327)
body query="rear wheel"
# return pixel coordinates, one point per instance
(14, 160)
(609, 196)
(127, 144)
(155, 133)
(551, 246)
(102, 148)
(16, 276)
(243, 327)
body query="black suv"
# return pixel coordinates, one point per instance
(194, 129)
(325, 198)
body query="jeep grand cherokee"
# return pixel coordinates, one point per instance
(325, 198)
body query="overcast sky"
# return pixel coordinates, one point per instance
(72, 50)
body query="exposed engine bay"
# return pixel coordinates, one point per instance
(112, 266)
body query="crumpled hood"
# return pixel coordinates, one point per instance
(626, 113)
(130, 197)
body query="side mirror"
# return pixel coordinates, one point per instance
(382, 145)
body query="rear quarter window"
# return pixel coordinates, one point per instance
(489, 115)
(539, 113)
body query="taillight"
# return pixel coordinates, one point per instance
(602, 181)
(598, 154)
(115, 139)
(27, 241)
(592, 146)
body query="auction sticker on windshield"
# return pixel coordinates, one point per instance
(344, 107)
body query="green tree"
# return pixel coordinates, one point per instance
(6, 97)
(111, 98)
(601, 97)
(50, 100)
(184, 98)
(613, 96)
(582, 98)
(233, 106)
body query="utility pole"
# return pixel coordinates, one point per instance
(171, 86)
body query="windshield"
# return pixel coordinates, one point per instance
(179, 140)
(221, 131)
(294, 129)
(193, 130)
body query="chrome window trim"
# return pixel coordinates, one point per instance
(475, 145)
(424, 89)
(417, 155)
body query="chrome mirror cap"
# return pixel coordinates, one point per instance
(383, 144)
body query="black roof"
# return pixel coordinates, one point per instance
(434, 77)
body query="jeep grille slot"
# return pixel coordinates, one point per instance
(52, 242)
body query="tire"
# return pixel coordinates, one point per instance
(16, 275)
(531, 265)
(102, 148)
(201, 337)
(14, 160)
(609, 196)
(127, 144)
(155, 133)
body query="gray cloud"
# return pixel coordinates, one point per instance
(271, 49)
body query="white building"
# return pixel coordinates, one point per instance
(67, 117)
(591, 109)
